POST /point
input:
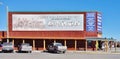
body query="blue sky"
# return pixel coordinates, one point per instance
(110, 10)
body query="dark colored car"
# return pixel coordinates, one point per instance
(56, 47)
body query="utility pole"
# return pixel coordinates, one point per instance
(7, 21)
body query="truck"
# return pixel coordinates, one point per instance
(25, 47)
(57, 48)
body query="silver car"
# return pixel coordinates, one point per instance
(7, 47)
(25, 47)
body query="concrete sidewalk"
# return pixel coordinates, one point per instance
(85, 52)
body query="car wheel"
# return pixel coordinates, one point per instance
(63, 51)
(30, 51)
(11, 51)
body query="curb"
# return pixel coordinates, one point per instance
(93, 52)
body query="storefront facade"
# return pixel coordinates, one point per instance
(42, 28)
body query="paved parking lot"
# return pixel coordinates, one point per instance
(68, 55)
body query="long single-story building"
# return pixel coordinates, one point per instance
(42, 28)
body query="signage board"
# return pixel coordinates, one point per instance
(47, 22)
(90, 21)
(99, 22)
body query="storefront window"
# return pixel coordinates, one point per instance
(89, 44)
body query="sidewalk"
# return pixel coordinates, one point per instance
(90, 52)
(112, 51)
(86, 52)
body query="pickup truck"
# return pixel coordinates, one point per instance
(25, 47)
(56, 47)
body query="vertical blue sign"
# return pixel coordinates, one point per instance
(90, 21)
(99, 22)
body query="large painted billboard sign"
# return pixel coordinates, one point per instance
(90, 21)
(99, 22)
(49, 22)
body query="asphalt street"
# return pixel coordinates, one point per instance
(67, 55)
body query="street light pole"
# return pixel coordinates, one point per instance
(115, 46)
(7, 21)
(7, 24)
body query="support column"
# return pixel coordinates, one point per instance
(65, 42)
(115, 46)
(7, 40)
(13, 42)
(44, 45)
(33, 44)
(96, 45)
(54, 41)
(106, 45)
(86, 45)
(75, 45)
(23, 41)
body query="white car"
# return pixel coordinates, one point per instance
(56, 47)
(25, 47)
(7, 47)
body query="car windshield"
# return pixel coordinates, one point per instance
(58, 44)
(25, 44)
(7, 44)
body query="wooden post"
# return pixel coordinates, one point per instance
(33, 44)
(75, 45)
(44, 48)
(107, 46)
(54, 41)
(96, 45)
(7, 40)
(115, 46)
(86, 45)
(13, 41)
(65, 42)
(23, 41)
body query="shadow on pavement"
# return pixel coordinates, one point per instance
(6, 52)
(21, 52)
(45, 51)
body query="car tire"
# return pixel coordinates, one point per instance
(11, 51)
(64, 51)
(30, 51)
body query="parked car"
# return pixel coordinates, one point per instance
(25, 47)
(7, 47)
(56, 47)
(0, 46)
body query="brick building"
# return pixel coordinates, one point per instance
(41, 28)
